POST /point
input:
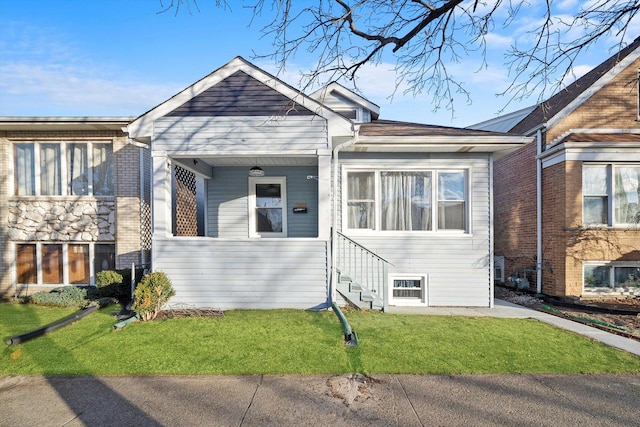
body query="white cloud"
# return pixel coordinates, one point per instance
(43, 89)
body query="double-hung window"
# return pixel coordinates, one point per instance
(63, 168)
(417, 200)
(611, 194)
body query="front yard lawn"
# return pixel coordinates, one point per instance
(298, 342)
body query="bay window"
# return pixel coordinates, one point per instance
(611, 194)
(389, 200)
(83, 168)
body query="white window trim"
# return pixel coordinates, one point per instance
(64, 190)
(282, 181)
(468, 173)
(424, 279)
(65, 263)
(611, 166)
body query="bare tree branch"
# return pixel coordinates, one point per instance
(426, 37)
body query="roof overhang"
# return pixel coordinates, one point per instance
(500, 145)
(24, 123)
(591, 152)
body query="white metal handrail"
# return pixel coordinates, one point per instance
(362, 266)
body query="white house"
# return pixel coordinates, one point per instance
(264, 197)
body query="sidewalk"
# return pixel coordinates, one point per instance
(387, 400)
(509, 310)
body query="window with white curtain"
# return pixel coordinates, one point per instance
(405, 200)
(611, 194)
(24, 170)
(390, 200)
(78, 168)
(50, 172)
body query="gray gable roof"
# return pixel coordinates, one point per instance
(240, 95)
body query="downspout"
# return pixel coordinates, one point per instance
(334, 228)
(539, 146)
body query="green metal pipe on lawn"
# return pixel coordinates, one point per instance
(18, 339)
(350, 337)
(125, 322)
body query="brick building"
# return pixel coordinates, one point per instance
(567, 206)
(73, 201)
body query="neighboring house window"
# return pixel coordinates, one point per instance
(267, 207)
(349, 113)
(52, 264)
(58, 261)
(50, 171)
(24, 170)
(619, 275)
(86, 167)
(611, 194)
(403, 200)
(26, 263)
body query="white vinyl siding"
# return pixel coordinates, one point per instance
(239, 134)
(224, 274)
(455, 265)
(227, 201)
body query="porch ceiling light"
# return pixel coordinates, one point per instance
(256, 171)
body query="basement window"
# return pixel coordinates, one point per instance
(407, 289)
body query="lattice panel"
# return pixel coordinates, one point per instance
(145, 205)
(186, 204)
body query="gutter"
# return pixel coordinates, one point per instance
(334, 228)
(539, 144)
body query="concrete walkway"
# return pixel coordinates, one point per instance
(506, 309)
(348, 400)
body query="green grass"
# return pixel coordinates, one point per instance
(298, 342)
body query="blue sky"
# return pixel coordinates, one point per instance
(121, 58)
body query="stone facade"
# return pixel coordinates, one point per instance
(62, 221)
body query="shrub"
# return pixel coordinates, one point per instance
(111, 284)
(108, 277)
(151, 294)
(68, 296)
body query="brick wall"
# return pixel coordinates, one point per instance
(566, 245)
(5, 256)
(554, 188)
(127, 203)
(515, 208)
(615, 106)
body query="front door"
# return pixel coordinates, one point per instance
(267, 207)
